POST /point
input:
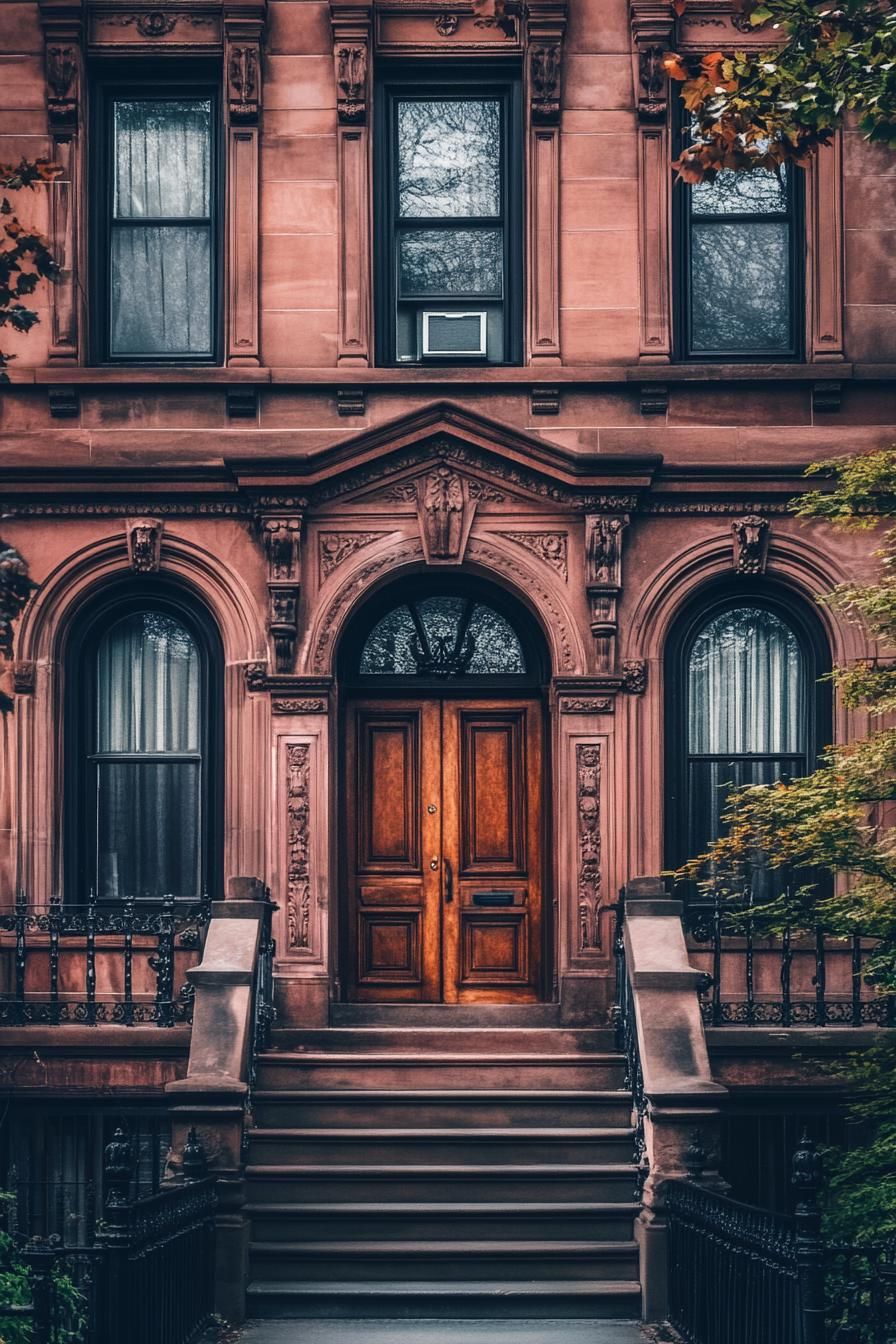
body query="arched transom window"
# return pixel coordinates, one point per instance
(443, 635)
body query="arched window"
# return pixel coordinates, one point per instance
(743, 690)
(144, 804)
(443, 631)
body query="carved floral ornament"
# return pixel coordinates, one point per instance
(588, 770)
(298, 842)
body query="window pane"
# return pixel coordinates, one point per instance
(147, 686)
(740, 286)
(162, 159)
(388, 646)
(709, 784)
(455, 261)
(161, 291)
(449, 158)
(496, 646)
(755, 193)
(746, 690)
(148, 828)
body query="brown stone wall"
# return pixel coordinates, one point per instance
(679, 450)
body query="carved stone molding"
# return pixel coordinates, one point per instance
(281, 536)
(750, 543)
(336, 547)
(298, 842)
(550, 547)
(144, 544)
(603, 560)
(15, 589)
(445, 513)
(243, 81)
(24, 677)
(588, 773)
(62, 22)
(63, 68)
(545, 59)
(652, 25)
(634, 676)
(286, 705)
(351, 83)
(352, 26)
(587, 704)
(256, 676)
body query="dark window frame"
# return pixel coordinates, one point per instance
(698, 614)
(446, 80)
(79, 723)
(682, 218)
(161, 81)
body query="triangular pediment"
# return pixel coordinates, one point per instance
(501, 461)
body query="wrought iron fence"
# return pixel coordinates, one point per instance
(792, 979)
(98, 963)
(146, 1274)
(744, 1275)
(264, 1014)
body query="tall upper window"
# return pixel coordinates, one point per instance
(158, 263)
(739, 266)
(141, 792)
(449, 223)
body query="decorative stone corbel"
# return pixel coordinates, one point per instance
(281, 536)
(15, 589)
(634, 676)
(445, 512)
(603, 557)
(63, 27)
(545, 25)
(243, 31)
(144, 544)
(352, 45)
(653, 26)
(750, 543)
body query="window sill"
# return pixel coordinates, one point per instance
(465, 376)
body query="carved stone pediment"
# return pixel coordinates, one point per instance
(494, 463)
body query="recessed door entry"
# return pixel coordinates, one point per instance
(443, 850)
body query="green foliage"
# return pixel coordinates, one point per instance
(761, 108)
(841, 821)
(15, 1290)
(25, 256)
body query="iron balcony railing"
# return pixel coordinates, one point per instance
(99, 963)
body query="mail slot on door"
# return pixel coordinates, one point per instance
(493, 898)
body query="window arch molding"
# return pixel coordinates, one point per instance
(91, 631)
(479, 596)
(702, 609)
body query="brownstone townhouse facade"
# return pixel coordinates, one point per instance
(396, 492)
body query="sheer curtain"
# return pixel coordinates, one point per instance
(161, 271)
(746, 711)
(147, 758)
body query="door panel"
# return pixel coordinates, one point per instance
(493, 797)
(392, 839)
(443, 850)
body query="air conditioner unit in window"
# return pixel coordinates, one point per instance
(453, 335)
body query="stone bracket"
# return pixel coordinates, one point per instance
(281, 535)
(603, 564)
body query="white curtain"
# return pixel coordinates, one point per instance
(148, 811)
(746, 689)
(161, 273)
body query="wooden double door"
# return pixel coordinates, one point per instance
(443, 850)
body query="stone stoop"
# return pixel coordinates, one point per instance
(447, 1173)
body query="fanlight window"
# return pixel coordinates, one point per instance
(747, 712)
(443, 636)
(145, 760)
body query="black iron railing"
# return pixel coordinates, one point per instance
(264, 1014)
(744, 1275)
(627, 1045)
(791, 979)
(145, 1274)
(97, 962)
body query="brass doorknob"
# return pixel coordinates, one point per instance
(434, 863)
